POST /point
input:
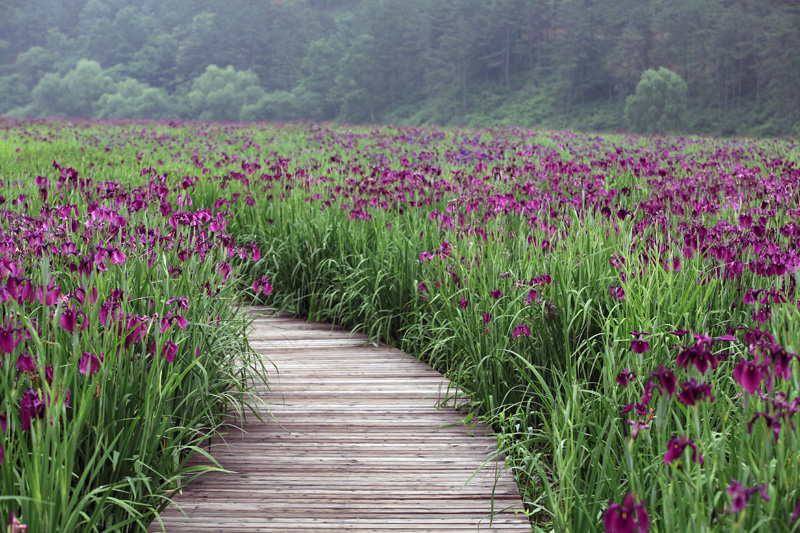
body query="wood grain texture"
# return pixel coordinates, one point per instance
(360, 438)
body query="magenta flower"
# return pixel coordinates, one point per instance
(675, 450)
(630, 517)
(14, 525)
(262, 286)
(422, 287)
(618, 293)
(89, 363)
(666, 381)
(742, 495)
(26, 363)
(781, 361)
(68, 318)
(749, 375)
(183, 302)
(640, 346)
(637, 426)
(51, 296)
(225, 269)
(496, 294)
(8, 341)
(796, 512)
(773, 422)
(462, 303)
(532, 296)
(693, 392)
(522, 329)
(169, 351)
(625, 377)
(697, 355)
(181, 321)
(31, 406)
(117, 257)
(487, 317)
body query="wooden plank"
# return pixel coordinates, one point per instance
(359, 442)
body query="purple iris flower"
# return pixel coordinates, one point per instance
(26, 363)
(618, 293)
(8, 341)
(522, 329)
(496, 294)
(625, 377)
(89, 363)
(14, 525)
(31, 406)
(742, 495)
(697, 355)
(675, 450)
(640, 346)
(68, 319)
(264, 286)
(637, 426)
(666, 380)
(693, 392)
(169, 351)
(749, 375)
(630, 517)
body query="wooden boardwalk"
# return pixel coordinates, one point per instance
(357, 445)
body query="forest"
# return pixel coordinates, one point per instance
(566, 64)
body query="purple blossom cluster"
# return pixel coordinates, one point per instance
(62, 282)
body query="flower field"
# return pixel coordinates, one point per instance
(623, 309)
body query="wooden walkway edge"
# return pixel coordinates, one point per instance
(357, 444)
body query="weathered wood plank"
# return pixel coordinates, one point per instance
(359, 442)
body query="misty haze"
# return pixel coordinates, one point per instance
(550, 63)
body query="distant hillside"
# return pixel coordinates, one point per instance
(555, 63)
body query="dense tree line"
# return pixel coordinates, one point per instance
(557, 63)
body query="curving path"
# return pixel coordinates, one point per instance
(357, 445)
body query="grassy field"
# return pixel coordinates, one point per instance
(623, 309)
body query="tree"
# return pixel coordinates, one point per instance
(32, 64)
(199, 46)
(659, 104)
(321, 66)
(13, 93)
(155, 63)
(220, 94)
(74, 95)
(134, 99)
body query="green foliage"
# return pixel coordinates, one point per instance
(220, 94)
(74, 94)
(134, 99)
(155, 63)
(13, 93)
(659, 104)
(321, 69)
(33, 64)
(278, 105)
